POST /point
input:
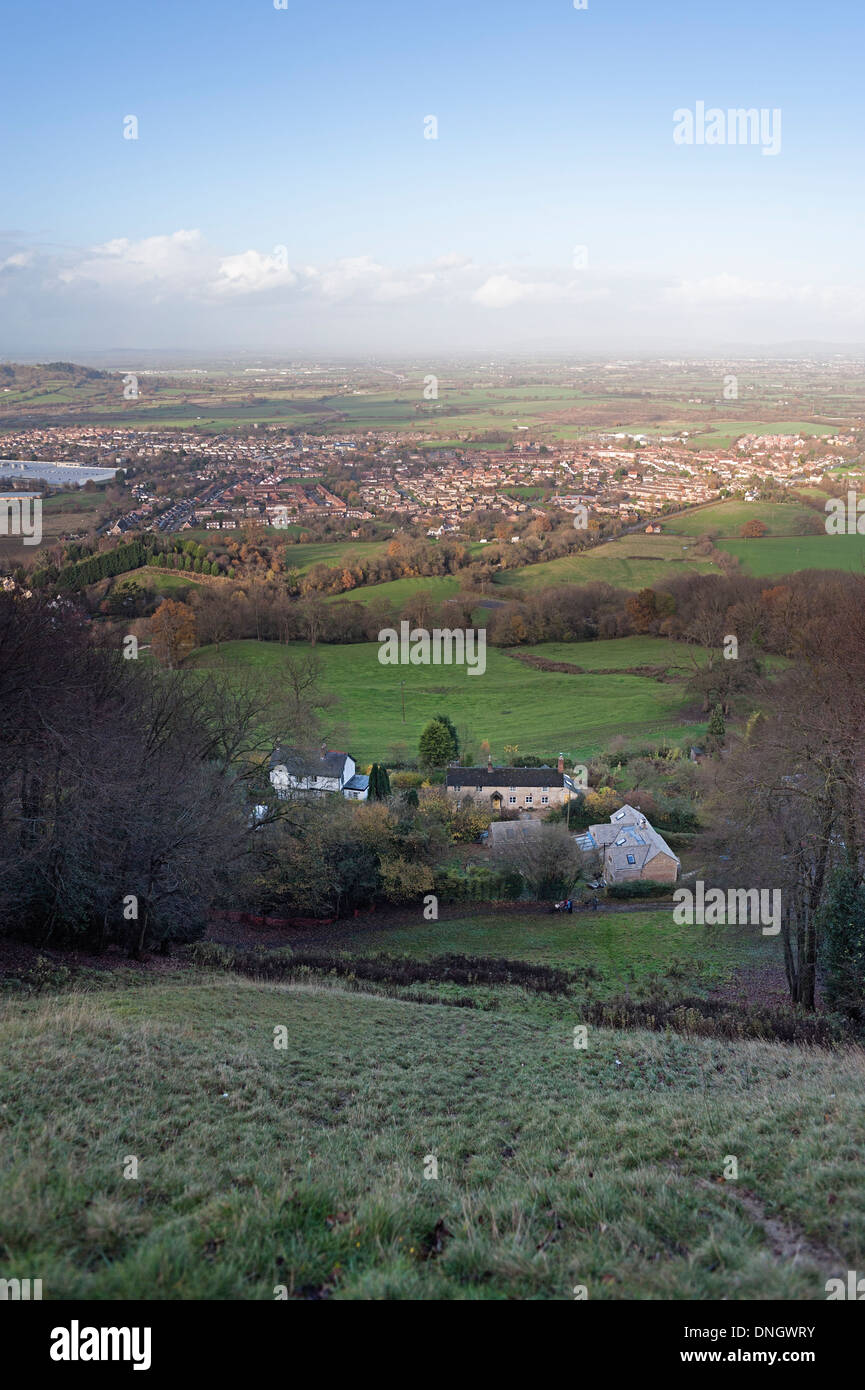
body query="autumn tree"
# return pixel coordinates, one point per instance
(546, 857)
(642, 609)
(172, 632)
(789, 805)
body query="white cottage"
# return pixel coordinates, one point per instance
(292, 770)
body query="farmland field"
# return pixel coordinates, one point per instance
(778, 555)
(541, 712)
(630, 562)
(728, 518)
(397, 591)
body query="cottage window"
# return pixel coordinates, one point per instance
(545, 800)
(512, 800)
(528, 798)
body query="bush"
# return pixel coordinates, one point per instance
(713, 1018)
(468, 824)
(390, 970)
(401, 780)
(477, 884)
(46, 976)
(639, 888)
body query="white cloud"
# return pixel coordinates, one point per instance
(502, 291)
(250, 272)
(178, 261)
(176, 287)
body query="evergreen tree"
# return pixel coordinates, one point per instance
(379, 782)
(446, 720)
(436, 747)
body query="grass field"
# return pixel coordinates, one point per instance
(728, 518)
(622, 653)
(397, 591)
(624, 948)
(778, 555)
(539, 711)
(302, 1170)
(303, 557)
(173, 585)
(631, 562)
(720, 434)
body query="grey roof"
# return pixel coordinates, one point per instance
(301, 763)
(627, 833)
(502, 831)
(606, 834)
(506, 777)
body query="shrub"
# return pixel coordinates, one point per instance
(713, 1018)
(401, 780)
(639, 888)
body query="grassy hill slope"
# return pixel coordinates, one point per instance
(304, 1167)
(539, 711)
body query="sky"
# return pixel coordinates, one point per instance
(397, 177)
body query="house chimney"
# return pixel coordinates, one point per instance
(489, 762)
(323, 749)
(561, 762)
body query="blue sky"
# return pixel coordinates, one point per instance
(281, 194)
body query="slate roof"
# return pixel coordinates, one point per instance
(503, 830)
(627, 833)
(303, 764)
(507, 777)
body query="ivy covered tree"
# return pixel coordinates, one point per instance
(717, 732)
(841, 931)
